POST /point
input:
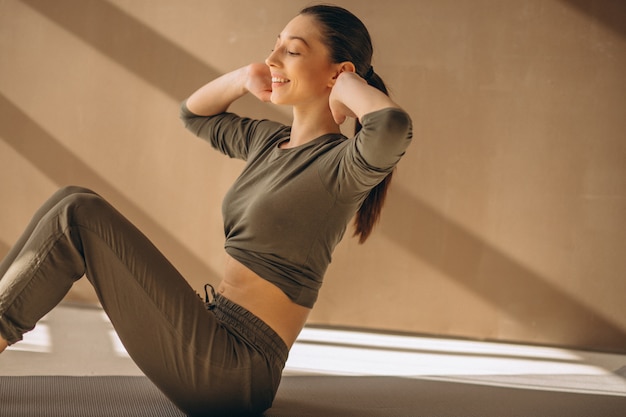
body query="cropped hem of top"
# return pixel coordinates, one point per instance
(289, 208)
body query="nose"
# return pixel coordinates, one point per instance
(271, 60)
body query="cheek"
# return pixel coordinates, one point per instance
(314, 70)
(317, 79)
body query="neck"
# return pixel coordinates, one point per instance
(309, 124)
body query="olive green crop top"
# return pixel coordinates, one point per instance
(289, 208)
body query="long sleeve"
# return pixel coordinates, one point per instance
(384, 137)
(370, 156)
(229, 133)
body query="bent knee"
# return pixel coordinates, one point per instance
(69, 190)
(85, 207)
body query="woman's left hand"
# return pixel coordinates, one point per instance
(338, 107)
(352, 96)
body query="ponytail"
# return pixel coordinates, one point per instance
(369, 213)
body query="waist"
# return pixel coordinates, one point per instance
(263, 299)
(251, 329)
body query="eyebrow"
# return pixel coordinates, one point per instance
(297, 38)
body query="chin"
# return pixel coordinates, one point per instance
(278, 100)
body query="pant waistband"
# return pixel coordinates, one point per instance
(250, 327)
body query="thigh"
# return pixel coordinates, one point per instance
(160, 319)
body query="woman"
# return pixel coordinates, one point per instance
(283, 217)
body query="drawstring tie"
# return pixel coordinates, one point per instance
(209, 302)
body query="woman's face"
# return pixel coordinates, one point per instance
(300, 64)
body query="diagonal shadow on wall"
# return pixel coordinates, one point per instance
(35, 144)
(138, 48)
(493, 275)
(126, 40)
(472, 262)
(131, 43)
(612, 14)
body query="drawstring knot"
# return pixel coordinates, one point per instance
(209, 302)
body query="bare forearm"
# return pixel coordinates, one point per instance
(358, 97)
(216, 96)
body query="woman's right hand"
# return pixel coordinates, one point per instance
(259, 81)
(217, 95)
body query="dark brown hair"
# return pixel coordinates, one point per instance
(347, 39)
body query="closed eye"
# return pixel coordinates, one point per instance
(290, 39)
(291, 53)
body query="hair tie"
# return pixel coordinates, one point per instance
(369, 73)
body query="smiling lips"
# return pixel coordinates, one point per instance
(279, 80)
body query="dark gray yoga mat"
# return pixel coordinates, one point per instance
(302, 396)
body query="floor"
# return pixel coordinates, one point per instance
(80, 341)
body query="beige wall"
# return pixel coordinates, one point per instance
(507, 219)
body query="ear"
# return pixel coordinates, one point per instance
(343, 67)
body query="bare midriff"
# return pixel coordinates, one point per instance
(264, 300)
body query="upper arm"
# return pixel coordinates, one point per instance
(232, 135)
(384, 137)
(366, 159)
